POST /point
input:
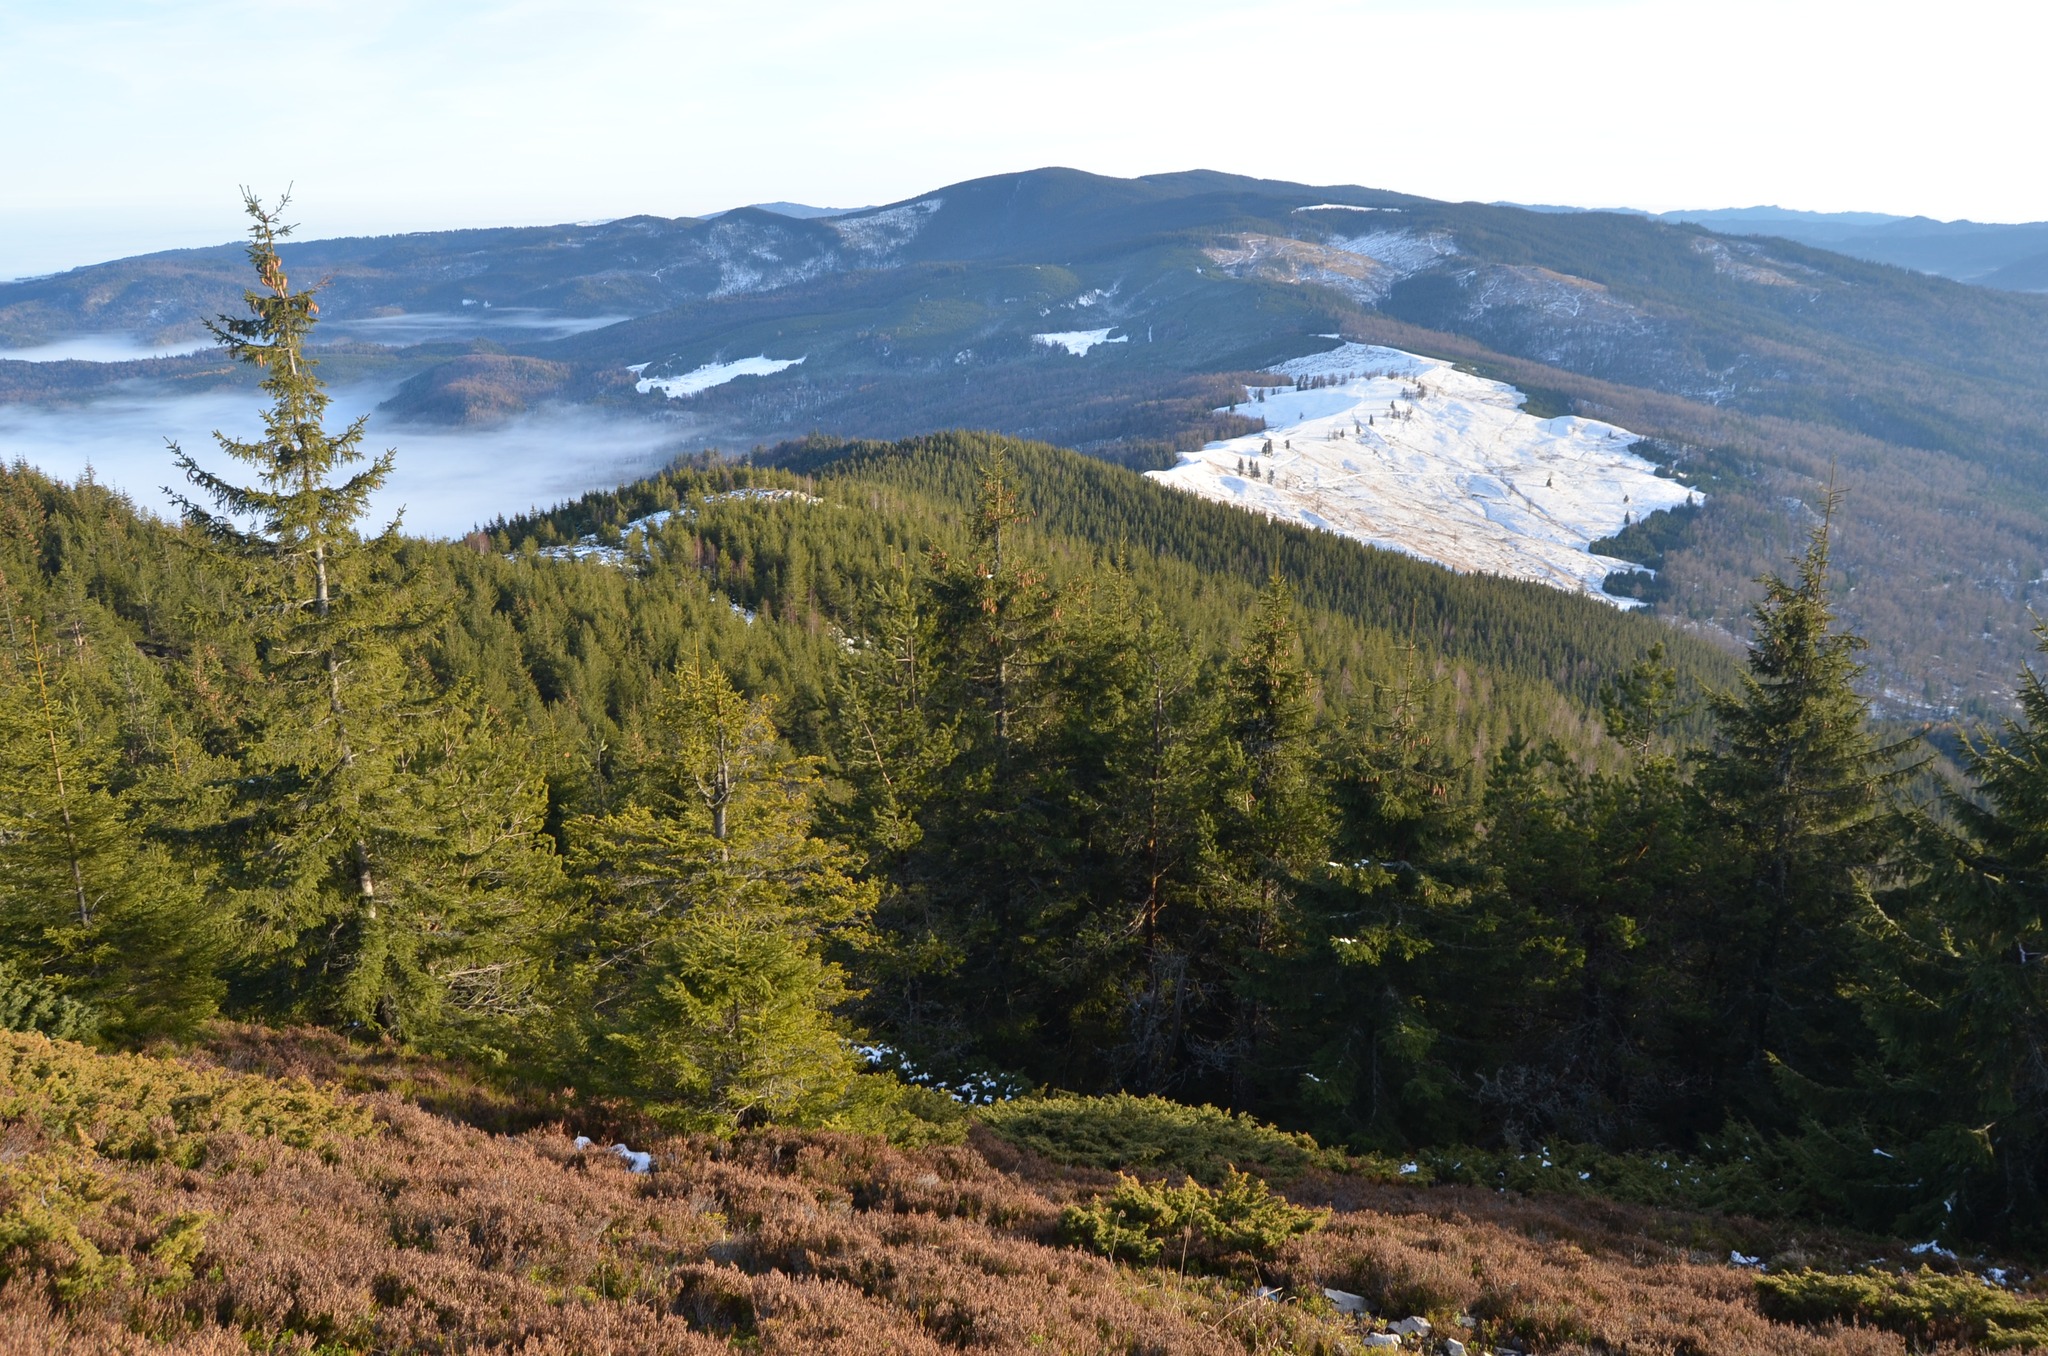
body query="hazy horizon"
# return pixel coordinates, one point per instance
(508, 112)
(136, 240)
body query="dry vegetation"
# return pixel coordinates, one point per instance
(192, 1207)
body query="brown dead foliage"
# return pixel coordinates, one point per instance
(436, 1236)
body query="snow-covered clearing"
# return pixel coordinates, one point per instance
(1410, 454)
(710, 375)
(1078, 342)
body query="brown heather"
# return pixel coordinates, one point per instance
(418, 1232)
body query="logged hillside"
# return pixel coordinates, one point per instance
(221, 1202)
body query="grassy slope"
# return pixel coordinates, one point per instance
(430, 1234)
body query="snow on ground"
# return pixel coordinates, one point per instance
(1410, 454)
(710, 375)
(1078, 342)
(1342, 207)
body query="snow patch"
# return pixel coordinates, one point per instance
(1078, 342)
(710, 375)
(1409, 454)
(1342, 207)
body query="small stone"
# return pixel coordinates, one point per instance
(1346, 1302)
(1414, 1323)
(1453, 1347)
(1382, 1339)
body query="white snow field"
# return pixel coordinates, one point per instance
(1410, 454)
(710, 375)
(1078, 342)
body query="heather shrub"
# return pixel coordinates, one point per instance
(1152, 1135)
(1224, 1227)
(138, 1107)
(1925, 1308)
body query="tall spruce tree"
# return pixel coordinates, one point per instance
(1795, 792)
(1159, 812)
(382, 836)
(992, 845)
(1277, 819)
(1364, 991)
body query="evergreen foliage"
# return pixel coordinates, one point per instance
(1153, 1135)
(1032, 774)
(1926, 1308)
(1231, 1226)
(382, 841)
(708, 995)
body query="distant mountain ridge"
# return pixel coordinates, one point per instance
(1127, 317)
(2012, 257)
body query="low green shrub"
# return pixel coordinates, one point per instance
(45, 1200)
(140, 1107)
(1122, 1133)
(1226, 1227)
(1736, 1176)
(1925, 1308)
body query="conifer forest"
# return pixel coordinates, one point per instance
(966, 790)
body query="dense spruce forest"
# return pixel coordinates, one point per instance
(794, 794)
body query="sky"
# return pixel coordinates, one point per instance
(131, 123)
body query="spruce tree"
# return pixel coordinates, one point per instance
(1277, 818)
(1959, 995)
(100, 915)
(1795, 792)
(710, 997)
(382, 836)
(1364, 991)
(1159, 809)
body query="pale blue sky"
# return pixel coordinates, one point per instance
(131, 122)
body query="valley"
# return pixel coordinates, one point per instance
(1125, 318)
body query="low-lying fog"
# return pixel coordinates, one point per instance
(506, 324)
(103, 348)
(447, 480)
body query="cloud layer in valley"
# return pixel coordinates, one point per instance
(447, 481)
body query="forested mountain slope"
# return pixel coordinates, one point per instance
(939, 773)
(1124, 317)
